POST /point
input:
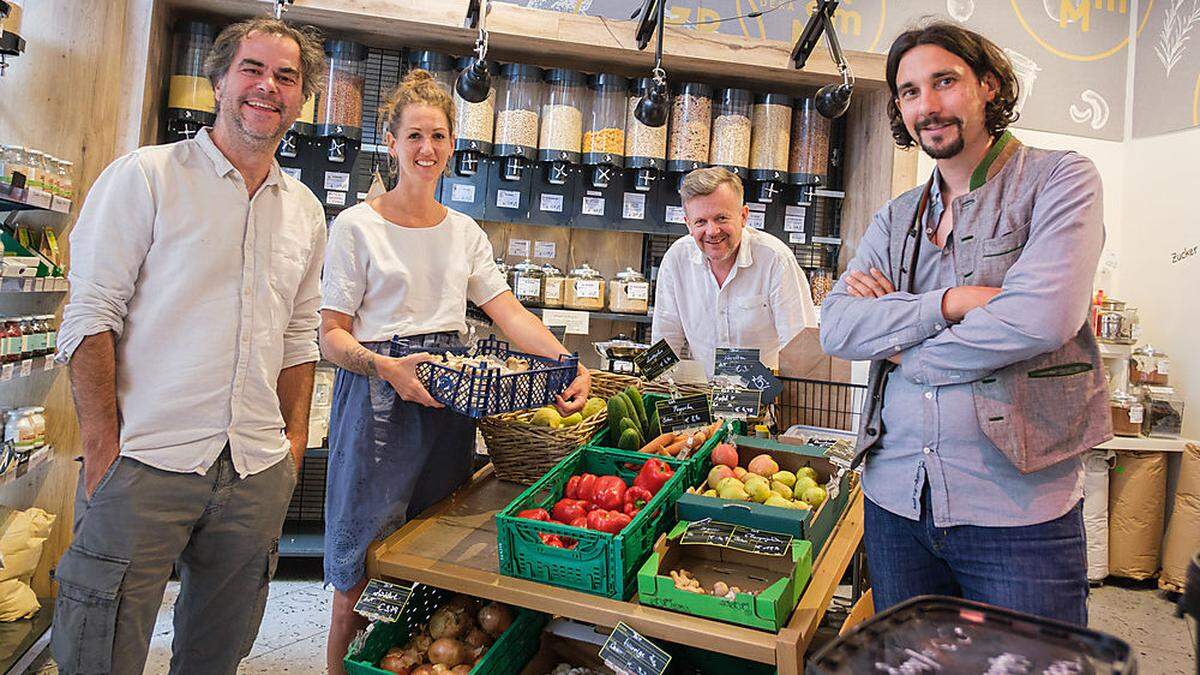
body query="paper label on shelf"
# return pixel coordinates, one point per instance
(757, 220)
(337, 180)
(634, 206)
(576, 323)
(638, 290)
(797, 238)
(587, 288)
(38, 198)
(793, 223)
(27, 285)
(39, 284)
(529, 288)
(793, 210)
(382, 601)
(518, 248)
(508, 199)
(60, 204)
(6, 373)
(551, 203)
(49, 364)
(1163, 367)
(554, 291)
(627, 651)
(827, 240)
(675, 215)
(756, 206)
(294, 173)
(462, 192)
(545, 249)
(1136, 413)
(335, 198)
(593, 206)
(26, 367)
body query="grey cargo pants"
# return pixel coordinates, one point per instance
(223, 531)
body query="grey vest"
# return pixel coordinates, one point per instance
(1038, 412)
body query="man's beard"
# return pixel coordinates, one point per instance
(945, 151)
(253, 138)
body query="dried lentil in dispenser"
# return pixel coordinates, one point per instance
(731, 131)
(772, 133)
(691, 127)
(474, 123)
(645, 147)
(517, 120)
(604, 140)
(339, 112)
(561, 136)
(808, 163)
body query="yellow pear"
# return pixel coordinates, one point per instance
(786, 477)
(776, 500)
(783, 489)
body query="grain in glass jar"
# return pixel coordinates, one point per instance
(729, 146)
(437, 64)
(808, 161)
(561, 136)
(1127, 414)
(475, 123)
(691, 127)
(520, 99)
(645, 147)
(1149, 366)
(552, 287)
(772, 133)
(1164, 412)
(584, 290)
(339, 112)
(525, 279)
(629, 293)
(604, 137)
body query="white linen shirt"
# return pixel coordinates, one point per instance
(764, 304)
(209, 292)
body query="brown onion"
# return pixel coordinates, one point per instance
(426, 669)
(495, 618)
(394, 662)
(461, 669)
(421, 643)
(447, 623)
(477, 638)
(448, 652)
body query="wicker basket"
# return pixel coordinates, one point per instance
(606, 384)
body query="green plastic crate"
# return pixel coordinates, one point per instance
(601, 563)
(510, 653)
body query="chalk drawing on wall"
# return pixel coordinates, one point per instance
(960, 10)
(1094, 111)
(1027, 71)
(1053, 10)
(1179, 18)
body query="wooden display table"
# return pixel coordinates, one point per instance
(453, 546)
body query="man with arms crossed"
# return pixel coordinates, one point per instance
(191, 336)
(970, 296)
(723, 285)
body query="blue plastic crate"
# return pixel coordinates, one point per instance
(482, 391)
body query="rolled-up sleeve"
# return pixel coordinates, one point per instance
(109, 243)
(300, 337)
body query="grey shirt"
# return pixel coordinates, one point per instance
(931, 434)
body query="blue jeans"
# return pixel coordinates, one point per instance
(1039, 569)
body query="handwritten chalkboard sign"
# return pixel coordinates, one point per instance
(656, 360)
(381, 601)
(728, 360)
(757, 541)
(732, 402)
(741, 368)
(630, 652)
(707, 532)
(684, 413)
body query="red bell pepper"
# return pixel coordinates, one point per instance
(551, 540)
(611, 522)
(636, 499)
(581, 521)
(654, 474)
(610, 493)
(582, 486)
(567, 510)
(535, 514)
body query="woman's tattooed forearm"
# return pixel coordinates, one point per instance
(361, 360)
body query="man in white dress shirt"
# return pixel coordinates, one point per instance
(723, 285)
(191, 337)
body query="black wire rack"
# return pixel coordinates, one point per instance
(308, 499)
(819, 403)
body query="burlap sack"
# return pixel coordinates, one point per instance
(1183, 530)
(1136, 503)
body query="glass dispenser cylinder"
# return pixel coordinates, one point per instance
(691, 126)
(730, 145)
(562, 116)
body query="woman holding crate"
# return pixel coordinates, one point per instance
(401, 264)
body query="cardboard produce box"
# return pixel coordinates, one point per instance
(779, 580)
(1136, 503)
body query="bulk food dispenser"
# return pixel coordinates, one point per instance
(515, 141)
(440, 66)
(645, 162)
(466, 187)
(730, 144)
(190, 101)
(603, 185)
(339, 121)
(688, 141)
(554, 187)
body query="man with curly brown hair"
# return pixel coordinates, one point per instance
(970, 297)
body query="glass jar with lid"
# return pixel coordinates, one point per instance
(190, 100)
(525, 280)
(604, 137)
(502, 267)
(26, 337)
(731, 127)
(339, 112)
(552, 286)
(1164, 412)
(475, 123)
(51, 333)
(520, 100)
(808, 159)
(12, 339)
(34, 180)
(645, 147)
(1117, 323)
(20, 431)
(439, 65)
(1149, 366)
(691, 127)
(37, 415)
(629, 293)
(1127, 414)
(772, 133)
(584, 289)
(561, 136)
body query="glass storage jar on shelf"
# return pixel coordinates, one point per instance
(339, 112)
(520, 98)
(475, 123)
(437, 64)
(584, 290)
(808, 159)
(1149, 366)
(10, 155)
(772, 133)
(191, 103)
(604, 135)
(525, 280)
(1127, 414)
(561, 137)
(502, 267)
(691, 127)
(20, 431)
(1164, 412)
(35, 161)
(629, 293)
(645, 147)
(1117, 323)
(552, 287)
(729, 146)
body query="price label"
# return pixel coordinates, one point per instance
(797, 238)
(684, 413)
(793, 223)
(827, 240)
(27, 285)
(381, 601)
(638, 290)
(529, 288)
(675, 214)
(293, 172)
(593, 206)
(656, 360)
(26, 367)
(757, 541)
(745, 373)
(576, 323)
(627, 651)
(708, 533)
(551, 203)
(462, 192)
(334, 198)
(508, 199)
(727, 358)
(545, 249)
(587, 288)
(337, 180)
(736, 403)
(518, 248)
(756, 220)
(6, 373)
(634, 206)
(49, 364)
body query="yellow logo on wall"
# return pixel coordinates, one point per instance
(1072, 18)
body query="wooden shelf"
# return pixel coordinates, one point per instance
(453, 546)
(57, 205)
(26, 368)
(1147, 444)
(30, 285)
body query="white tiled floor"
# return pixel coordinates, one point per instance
(292, 637)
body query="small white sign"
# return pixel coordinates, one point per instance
(27, 285)
(587, 288)
(49, 364)
(508, 199)
(793, 223)
(798, 211)
(797, 238)
(593, 206)
(827, 240)
(756, 206)
(634, 206)
(518, 248)
(576, 323)
(638, 290)
(26, 367)
(334, 198)
(675, 215)
(293, 172)
(756, 220)
(551, 203)
(545, 249)
(462, 192)
(6, 372)
(337, 180)
(529, 288)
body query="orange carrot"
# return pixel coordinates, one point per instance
(659, 443)
(676, 447)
